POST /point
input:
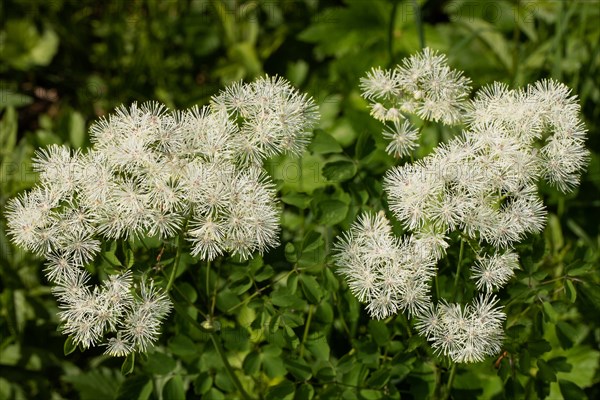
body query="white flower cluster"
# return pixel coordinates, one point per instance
(155, 172)
(387, 273)
(423, 85)
(481, 184)
(466, 334)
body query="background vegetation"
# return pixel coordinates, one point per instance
(288, 326)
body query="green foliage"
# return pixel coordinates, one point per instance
(284, 325)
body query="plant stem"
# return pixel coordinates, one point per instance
(208, 285)
(306, 328)
(446, 393)
(419, 23)
(460, 257)
(175, 264)
(214, 293)
(228, 367)
(391, 29)
(183, 312)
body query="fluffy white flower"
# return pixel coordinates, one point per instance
(465, 334)
(388, 274)
(493, 272)
(403, 138)
(424, 84)
(156, 172)
(273, 117)
(482, 183)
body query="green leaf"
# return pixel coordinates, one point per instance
(570, 291)
(549, 311)
(45, 48)
(524, 361)
(213, 394)
(11, 99)
(332, 212)
(371, 394)
(290, 336)
(299, 200)
(203, 383)
(326, 374)
(160, 364)
(379, 378)
(339, 171)
(311, 288)
(135, 387)
(379, 332)
(324, 313)
(584, 360)
(173, 390)
(567, 335)
(518, 333)
(318, 346)
(77, 132)
(98, 383)
(364, 145)
(128, 364)
(266, 273)
(223, 381)
(560, 364)
(69, 346)
(538, 347)
(226, 299)
(290, 252)
(8, 131)
(241, 286)
(273, 364)
(111, 258)
(292, 283)
(324, 143)
(312, 260)
(251, 363)
(299, 368)
(182, 345)
(571, 391)
(187, 291)
(545, 371)
(312, 241)
(491, 37)
(304, 392)
(282, 298)
(283, 391)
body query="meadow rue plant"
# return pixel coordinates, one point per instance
(480, 187)
(152, 172)
(423, 85)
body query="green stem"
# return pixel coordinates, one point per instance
(306, 328)
(228, 367)
(175, 264)
(214, 293)
(460, 257)
(391, 30)
(446, 393)
(183, 312)
(515, 55)
(208, 285)
(419, 23)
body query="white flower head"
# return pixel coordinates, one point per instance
(493, 272)
(403, 138)
(480, 186)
